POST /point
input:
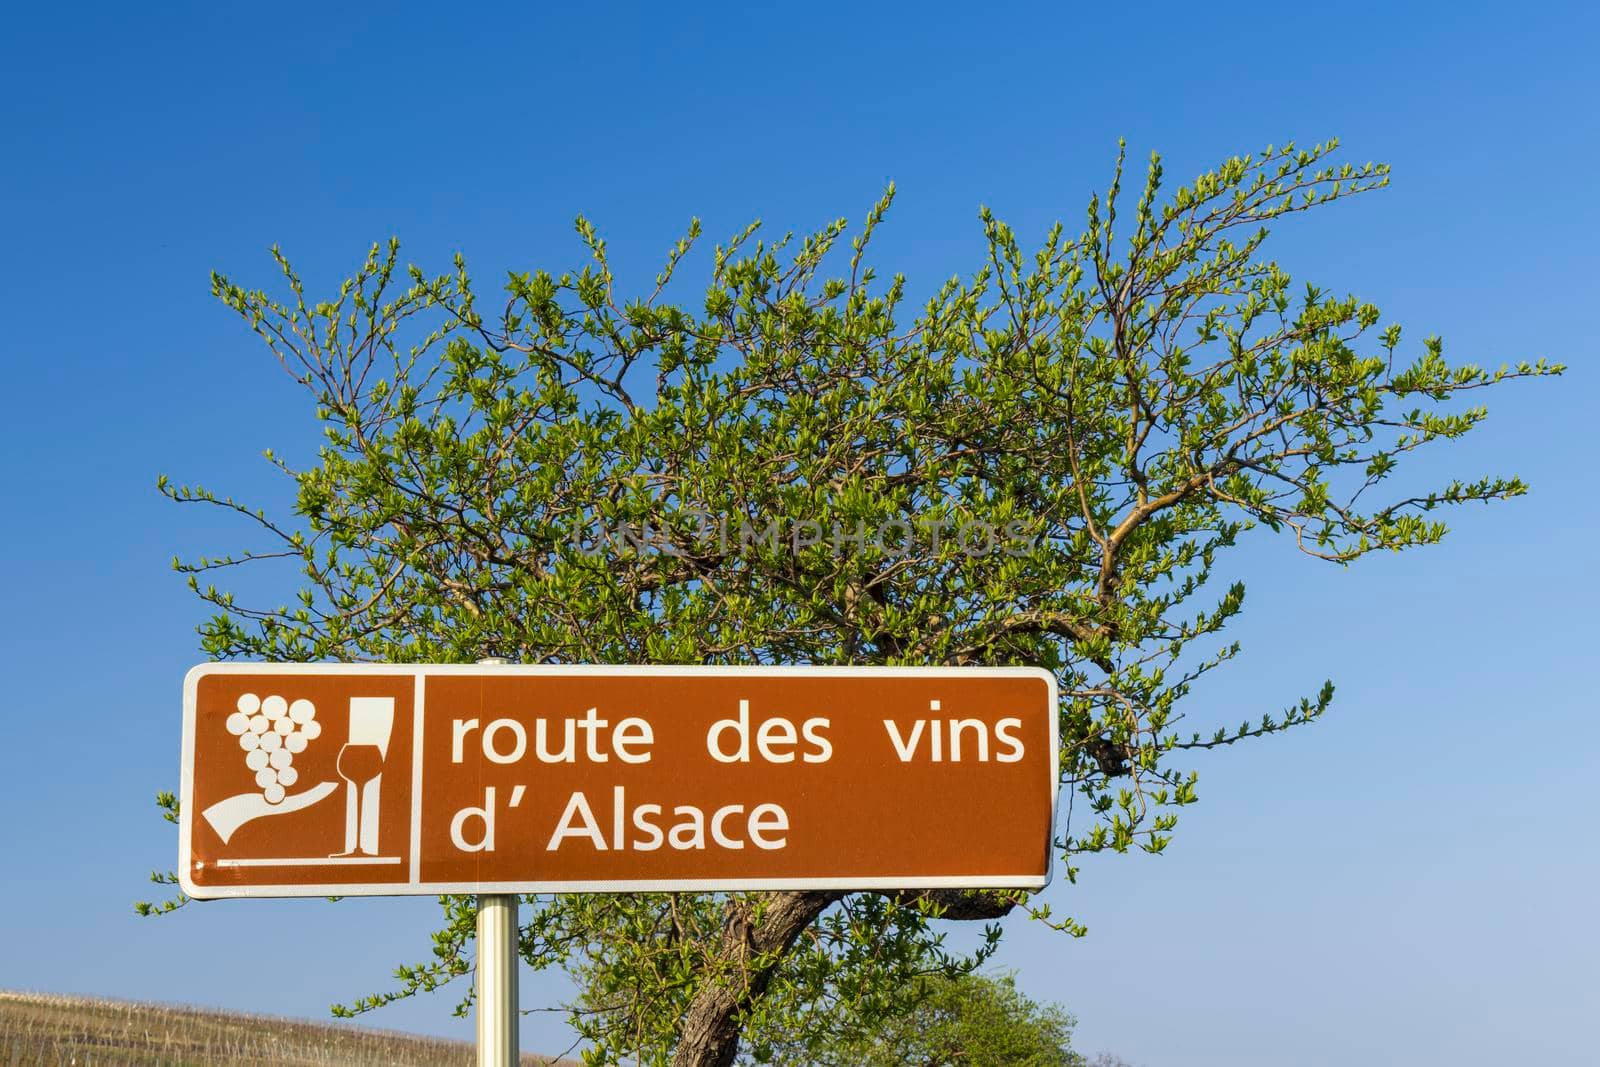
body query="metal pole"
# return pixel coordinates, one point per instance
(497, 981)
(498, 1002)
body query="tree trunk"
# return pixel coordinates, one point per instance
(710, 1035)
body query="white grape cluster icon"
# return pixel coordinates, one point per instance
(272, 731)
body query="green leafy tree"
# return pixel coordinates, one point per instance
(975, 1021)
(1123, 402)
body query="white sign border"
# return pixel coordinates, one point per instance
(418, 671)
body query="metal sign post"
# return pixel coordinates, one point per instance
(499, 1015)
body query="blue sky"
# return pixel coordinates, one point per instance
(1409, 881)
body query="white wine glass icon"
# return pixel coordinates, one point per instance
(360, 764)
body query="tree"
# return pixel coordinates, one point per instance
(975, 1021)
(587, 473)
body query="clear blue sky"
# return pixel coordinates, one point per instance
(1410, 881)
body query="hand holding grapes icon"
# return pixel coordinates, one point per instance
(271, 731)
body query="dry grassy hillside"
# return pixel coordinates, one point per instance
(39, 1029)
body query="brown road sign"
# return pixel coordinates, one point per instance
(313, 779)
